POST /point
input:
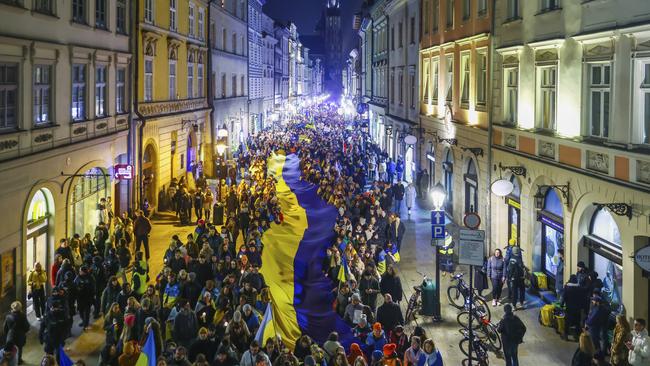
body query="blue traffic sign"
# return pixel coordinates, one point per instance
(437, 231)
(437, 217)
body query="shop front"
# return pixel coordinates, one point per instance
(87, 190)
(513, 201)
(551, 222)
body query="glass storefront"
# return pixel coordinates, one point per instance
(551, 218)
(605, 255)
(86, 194)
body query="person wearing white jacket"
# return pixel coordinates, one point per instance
(639, 346)
(410, 197)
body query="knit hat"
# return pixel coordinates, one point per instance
(129, 320)
(236, 316)
(581, 264)
(376, 326)
(389, 349)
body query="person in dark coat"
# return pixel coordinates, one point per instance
(512, 331)
(480, 277)
(204, 345)
(572, 301)
(396, 231)
(191, 290)
(185, 326)
(64, 250)
(597, 321)
(141, 229)
(398, 195)
(110, 294)
(495, 273)
(369, 288)
(391, 284)
(54, 327)
(85, 285)
(16, 327)
(389, 314)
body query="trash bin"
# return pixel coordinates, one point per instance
(428, 297)
(217, 214)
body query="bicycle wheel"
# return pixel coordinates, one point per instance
(455, 297)
(481, 307)
(475, 362)
(492, 336)
(463, 320)
(477, 354)
(409, 312)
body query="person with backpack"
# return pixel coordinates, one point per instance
(515, 277)
(85, 286)
(16, 327)
(512, 331)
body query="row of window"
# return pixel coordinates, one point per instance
(401, 38)
(81, 10)
(192, 92)
(43, 96)
(598, 97)
(431, 78)
(233, 85)
(196, 18)
(400, 88)
(237, 45)
(514, 7)
(431, 12)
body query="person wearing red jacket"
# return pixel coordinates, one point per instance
(58, 259)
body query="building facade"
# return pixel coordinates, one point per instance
(377, 37)
(256, 68)
(173, 116)
(281, 85)
(570, 123)
(65, 109)
(454, 104)
(229, 27)
(268, 70)
(403, 96)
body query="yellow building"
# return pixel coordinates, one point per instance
(172, 113)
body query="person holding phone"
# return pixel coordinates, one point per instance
(639, 346)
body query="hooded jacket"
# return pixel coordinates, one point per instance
(640, 353)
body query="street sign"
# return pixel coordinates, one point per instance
(123, 171)
(472, 220)
(471, 252)
(467, 234)
(437, 231)
(437, 217)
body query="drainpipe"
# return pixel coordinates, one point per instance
(488, 227)
(210, 81)
(141, 119)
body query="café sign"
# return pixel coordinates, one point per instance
(123, 171)
(642, 258)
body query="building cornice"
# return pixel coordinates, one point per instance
(547, 43)
(510, 50)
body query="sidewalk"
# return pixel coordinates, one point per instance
(542, 346)
(87, 345)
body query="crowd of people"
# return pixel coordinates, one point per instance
(205, 305)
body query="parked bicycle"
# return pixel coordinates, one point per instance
(482, 327)
(458, 296)
(479, 349)
(414, 304)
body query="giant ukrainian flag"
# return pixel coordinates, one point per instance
(301, 298)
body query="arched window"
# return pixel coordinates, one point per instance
(514, 212)
(471, 188)
(605, 255)
(552, 221)
(553, 204)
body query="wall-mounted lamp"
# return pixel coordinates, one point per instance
(541, 196)
(389, 130)
(516, 169)
(621, 209)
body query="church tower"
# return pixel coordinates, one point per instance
(334, 48)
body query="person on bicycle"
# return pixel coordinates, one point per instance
(512, 331)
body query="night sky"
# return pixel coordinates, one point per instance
(306, 13)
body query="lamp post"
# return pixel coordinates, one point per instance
(438, 196)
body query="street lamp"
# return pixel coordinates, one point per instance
(438, 196)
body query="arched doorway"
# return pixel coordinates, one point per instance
(551, 218)
(606, 255)
(448, 167)
(513, 200)
(191, 152)
(149, 174)
(86, 193)
(471, 187)
(40, 211)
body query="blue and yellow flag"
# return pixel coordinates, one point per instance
(148, 354)
(292, 260)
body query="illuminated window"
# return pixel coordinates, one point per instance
(120, 90)
(42, 93)
(78, 92)
(464, 79)
(434, 84)
(191, 20)
(148, 79)
(100, 91)
(599, 99)
(546, 103)
(510, 95)
(481, 78)
(8, 95)
(450, 77)
(172, 15)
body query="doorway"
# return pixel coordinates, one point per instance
(148, 174)
(37, 238)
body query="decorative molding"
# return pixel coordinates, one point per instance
(121, 121)
(157, 108)
(477, 151)
(43, 138)
(512, 59)
(450, 141)
(621, 209)
(79, 130)
(547, 149)
(643, 171)
(101, 126)
(546, 56)
(515, 169)
(598, 162)
(598, 50)
(510, 140)
(8, 144)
